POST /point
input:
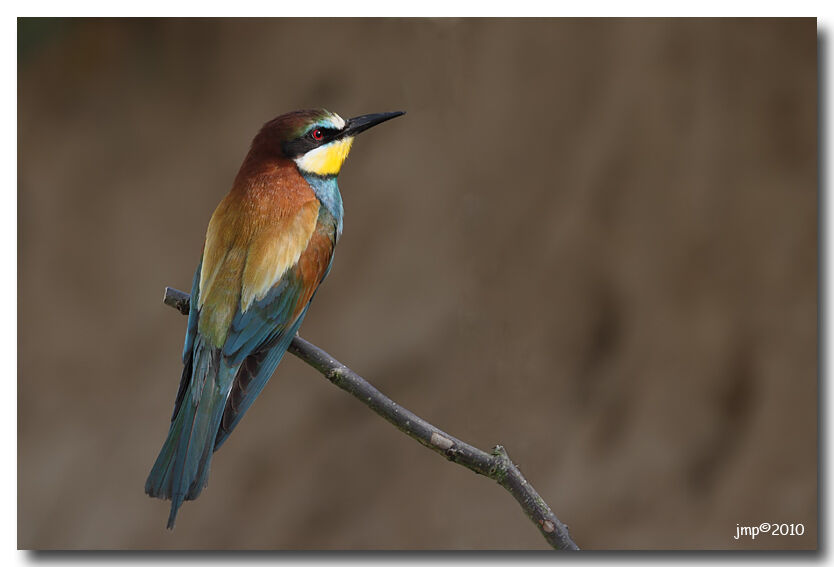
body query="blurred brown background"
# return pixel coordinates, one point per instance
(591, 241)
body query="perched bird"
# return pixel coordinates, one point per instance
(269, 245)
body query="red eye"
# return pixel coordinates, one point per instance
(317, 135)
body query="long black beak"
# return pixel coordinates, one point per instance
(359, 124)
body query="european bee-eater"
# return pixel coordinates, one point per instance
(269, 245)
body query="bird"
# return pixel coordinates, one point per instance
(269, 245)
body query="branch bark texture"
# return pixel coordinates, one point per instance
(495, 465)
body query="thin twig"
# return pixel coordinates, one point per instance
(496, 465)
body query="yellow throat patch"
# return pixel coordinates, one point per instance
(326, 160)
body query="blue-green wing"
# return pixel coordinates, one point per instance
(190, 334)
(257, 341)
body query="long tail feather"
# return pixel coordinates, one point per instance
(181, 469)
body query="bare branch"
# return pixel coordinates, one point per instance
(496, 465)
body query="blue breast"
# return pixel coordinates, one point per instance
(327, 191)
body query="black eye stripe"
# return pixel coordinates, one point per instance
(307, 142)
(327, 134)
